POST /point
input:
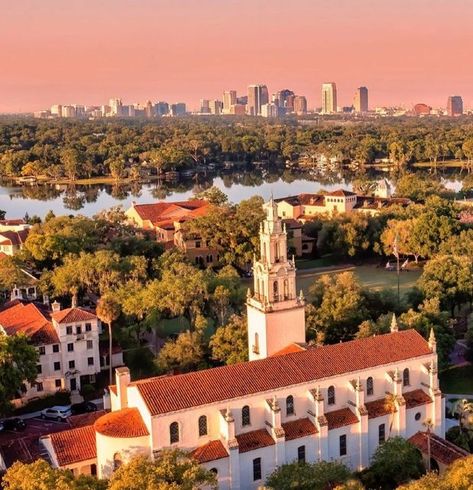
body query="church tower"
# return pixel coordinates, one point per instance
(276, 315)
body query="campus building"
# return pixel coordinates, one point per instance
(13, 234)
(291, 402)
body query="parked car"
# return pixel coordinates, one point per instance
(83, 407)
(58, 413)
(14, 424)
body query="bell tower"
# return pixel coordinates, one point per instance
(276, 315)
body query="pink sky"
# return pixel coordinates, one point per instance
(85, 51)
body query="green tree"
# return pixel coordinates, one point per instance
(308, 476)
(186, 353)
(39, 475)
(213, 195)
(229, 344)
(18, 360)
(171, 470)
(108, 311)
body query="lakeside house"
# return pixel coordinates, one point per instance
(166, 220)
(289, 402)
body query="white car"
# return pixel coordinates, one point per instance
(58, 413)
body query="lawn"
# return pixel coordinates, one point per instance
(457, 380)
(370, 276)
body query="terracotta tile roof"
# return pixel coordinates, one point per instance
(211, 451)
(30, 320)
(416, 398)
(124, 423)
(290, 349)
(74, 445)
(85, 419)
(171, 393)
(158, 211)
(340, 418)
(298, 428)
(441, 450)
(14, 237)
(12, 222)
(69, 315)
(341, 193)
(255, 439)
(377, 408)
(292, 224)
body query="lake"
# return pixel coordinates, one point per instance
(90, 199)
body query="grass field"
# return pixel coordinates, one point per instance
(369, 276)
(457, 380)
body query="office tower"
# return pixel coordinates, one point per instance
(300, 104)
(68, 111)
(216, 107)
(229, 99)
(149, 110)
(269, 110)
(284, 100)
(360, 101)
(329, 98)
(56, 110)
(454, 106)
(257, 96)
(161, 108)
(204, 106)
(115, 107)
(178, 109)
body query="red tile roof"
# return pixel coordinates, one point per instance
(158, 211)
(341, 193)
(441, 450)
(416, 398)
(171, 393)
(377, 408)
(298, 428)
(211, 451)
(255, 439)
(12, 222)
(289, 349)
(85, 418)
(14, 237)
(70, 315)
(30, 320)
(74, 445)
(340, 418)
(124, 423)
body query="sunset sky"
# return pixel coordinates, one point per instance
(86, 51)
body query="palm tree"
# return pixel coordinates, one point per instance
(108, 310)
(462, 408)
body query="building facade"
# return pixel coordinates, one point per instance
(455, 106)
(257, 97)
(360, 101)
(329, 98)
(291, 403)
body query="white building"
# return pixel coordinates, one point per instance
(290, 403)
(67, 342)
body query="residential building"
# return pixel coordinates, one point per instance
(229, 99)
(13, 234)
(455, 106)
(329, 98)
(292, 403)
(67, 341)
(304, 207)
(257, 97)
(360, 101)
(299, 105)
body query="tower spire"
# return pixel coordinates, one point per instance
(394, 325)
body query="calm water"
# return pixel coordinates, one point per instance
(88, 200)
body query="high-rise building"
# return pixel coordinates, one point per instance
(229, 99)
(68, 111)
(300, 104)
(161, 108)
(204, 106)
(360, 101)
(149, 110)
(284, 99)
(115, 107)
(257, 97)
(216, 107)
(56, 110)
(238, 109)
(455, 106)
(270, 110)
(329, 98)
(178, 109)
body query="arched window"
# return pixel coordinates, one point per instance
(117, 461)
(290, 405)
(275, 290)
(405, 377)
(331, 395)
(174, 433)
(369, 386)
(245, 415)
(202, 425)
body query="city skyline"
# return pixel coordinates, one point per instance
(168, 51)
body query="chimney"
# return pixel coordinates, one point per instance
(74, 301)
(56, 306)
(122, 379)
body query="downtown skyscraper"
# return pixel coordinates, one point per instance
(455, 106)
(360, 101)
(329, 98)
(257, 97)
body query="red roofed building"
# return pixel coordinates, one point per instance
(166, 220)
(67, 341)
(287, 404)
